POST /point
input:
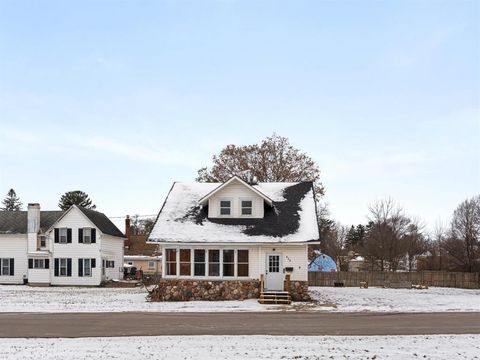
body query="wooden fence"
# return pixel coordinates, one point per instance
(378, 278)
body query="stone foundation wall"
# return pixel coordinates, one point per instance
(299, 290)
(186, 290)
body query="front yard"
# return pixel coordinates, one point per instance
(17, 298)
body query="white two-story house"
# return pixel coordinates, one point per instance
(74, 247)
(235, 240)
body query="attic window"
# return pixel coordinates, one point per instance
(246, 207)
(225, 207)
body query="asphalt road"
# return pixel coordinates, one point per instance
(247, 323)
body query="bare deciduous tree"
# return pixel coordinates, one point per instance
(465, 230)
(273, 160)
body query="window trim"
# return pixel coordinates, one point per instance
(60, 266)
(2, 266)
(220, 207)
(89, 229)
(60, 235)
(241, 207)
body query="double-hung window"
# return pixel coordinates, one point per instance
(247, 207)
(225, 207)
(171, 261)
(199, 262)
(87, 235)
(43, 241)
(151, 265)
(213, 262)
(63, 267)
(5, 267)
(87, 267)
(63, 236)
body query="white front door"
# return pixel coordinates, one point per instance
(273, 273)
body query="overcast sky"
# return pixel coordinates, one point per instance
(121, 98)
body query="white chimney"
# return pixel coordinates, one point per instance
(33, 218)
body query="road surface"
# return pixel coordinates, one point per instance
(247, 323)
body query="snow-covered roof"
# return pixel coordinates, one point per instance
(141, 257)
(292, 218)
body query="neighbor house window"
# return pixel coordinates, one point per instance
(6, 267)
(228, 263)
(199, 262)
(242, 263)
(247, 207)
(87, 235)
(63, 267)
(85, 267)
(39, 264)
(63, 237)
(225, 207)
(213, 262)
(171, 261)
(185, 262)
(151, 265)
(43, 241)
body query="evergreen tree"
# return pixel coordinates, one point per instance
(11, 202)
(76, 197)
(351, 238)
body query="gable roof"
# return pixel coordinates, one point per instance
(204, 199)
(15, 222)
(292, 218)
(101, 221)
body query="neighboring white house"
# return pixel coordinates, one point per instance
(237, 233)
(74, 247)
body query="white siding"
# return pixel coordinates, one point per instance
(295, 256)
(14, 246)
(235, 192)
(75, 219)
(112, 249)
(40, 276)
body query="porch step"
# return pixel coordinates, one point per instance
(275, 297)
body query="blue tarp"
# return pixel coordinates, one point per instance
(323, 263)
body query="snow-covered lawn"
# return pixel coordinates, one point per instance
(18, 298)
(393, 300)
(246, 347)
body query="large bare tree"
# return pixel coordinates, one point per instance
(274, 159)
(386, 234)
(465, 230)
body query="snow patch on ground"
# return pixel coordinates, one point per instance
(395, 300)
(245, 347)
(18, 298)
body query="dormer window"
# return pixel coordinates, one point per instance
(225, 207)
(247, 207)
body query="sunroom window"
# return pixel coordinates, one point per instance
(199, 262)
(228, 263)
(242, 263)
(213, 262)
(185, 263)
(171, 261)
(225, 207)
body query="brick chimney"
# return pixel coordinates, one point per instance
(127, 231)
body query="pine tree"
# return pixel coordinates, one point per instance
(11, 202)
(76, 197)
